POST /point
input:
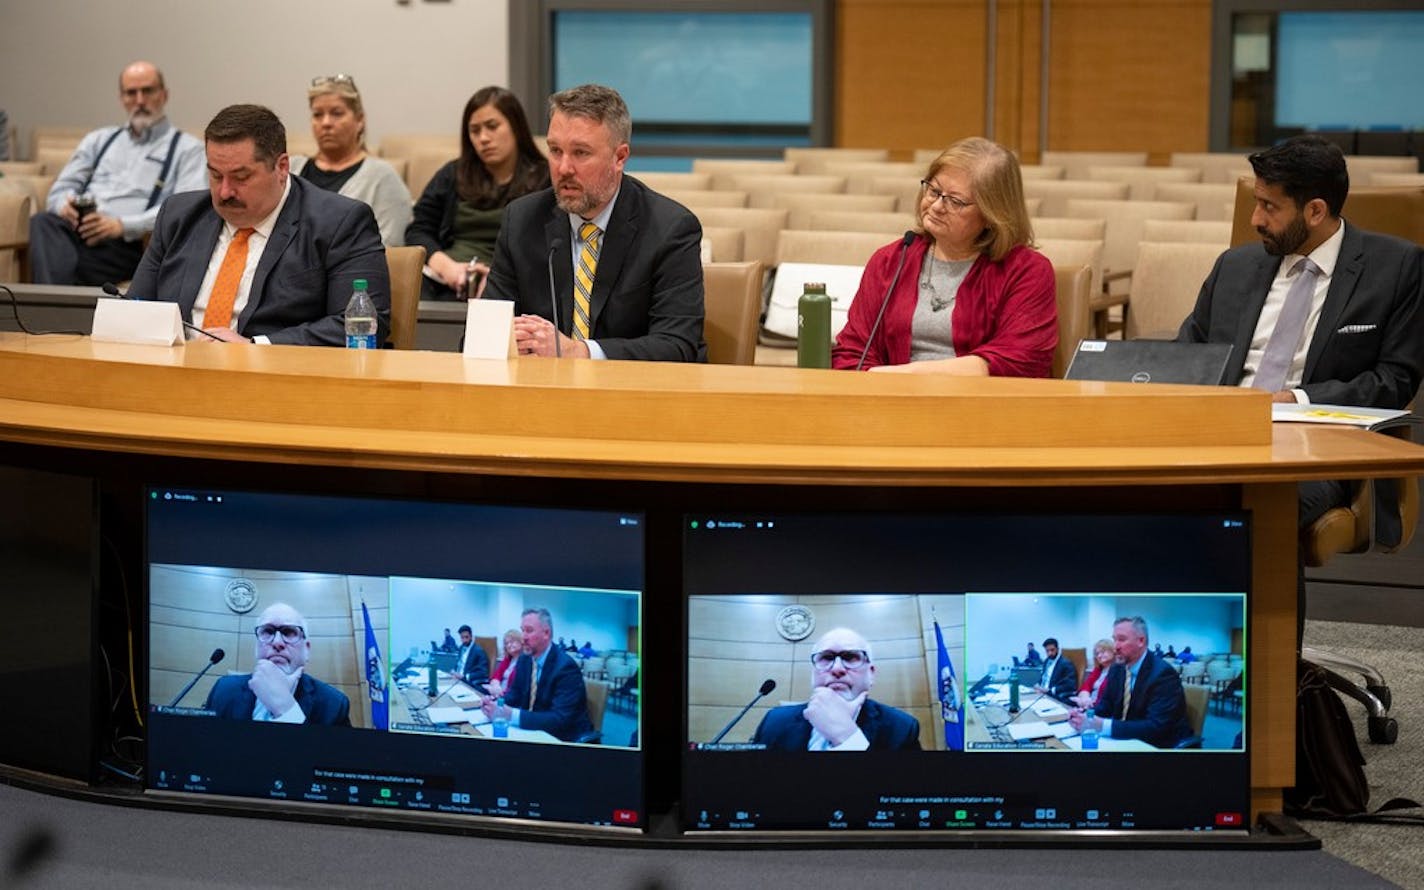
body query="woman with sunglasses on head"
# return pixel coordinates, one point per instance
(342, 164)
(458, 216)
(973, 298)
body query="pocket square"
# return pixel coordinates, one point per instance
(1357, 328)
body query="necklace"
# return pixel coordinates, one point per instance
(938, 301)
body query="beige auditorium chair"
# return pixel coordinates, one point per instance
(1166, 279)
(1074, 287)
(405, 145)
(761, 229)
(923, 156)
(1063, 227)
(813, 160)
(733, 311)
(890, 224)
(405, 264)
(695, 198)
(301, 144)
(660, 181)
(833, 248)
(722, 169)
(53, 158)
(15, 209)
(1075, 252)
(1396, 179)
(1056, 193)
(725, 242)
(1212, 199)
(20, 168)
(1075, 164)
(421, 168)
(1142, 182)
(1124, 230)
(1362, 167)
(1033, 206)
(1215, 166)
(64, 139)
(802, 205)
(905, 189)
(1197, 231)
(1041, 171)
(859, 175)
(760, 189)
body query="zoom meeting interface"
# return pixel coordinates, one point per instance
(952, 672)
(405, 656)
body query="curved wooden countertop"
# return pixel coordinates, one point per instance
(439, 412)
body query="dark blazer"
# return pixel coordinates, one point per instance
(1064, 681)
(886, 728)
(560, 701)
(1367, 345)
(647, 290)
(476, 668)
(1157, 713)
(321, 702)
(321, 243)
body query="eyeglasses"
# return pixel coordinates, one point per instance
(324, 79)
(150, 90)
(934, 194)
(852, 659)
(291, 633)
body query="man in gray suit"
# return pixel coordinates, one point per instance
(623, 262)
(1320, 311)
(263, 256)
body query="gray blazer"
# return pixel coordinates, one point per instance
(320, 244)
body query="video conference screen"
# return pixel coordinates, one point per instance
(966, 672)
(418, 657)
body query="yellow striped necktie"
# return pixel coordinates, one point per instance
(1126, 693)
(583, 278)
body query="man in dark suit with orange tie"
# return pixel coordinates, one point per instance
(546, 692)
(1142, 696)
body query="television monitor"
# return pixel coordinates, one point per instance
(297, 653)
(857, 672)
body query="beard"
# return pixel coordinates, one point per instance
(141, 120)
(590, 197)
(1288, 240)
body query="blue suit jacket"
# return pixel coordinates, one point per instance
(1366, 348)
(1157, 713)
(321, 243)
(560, 701)
(321, 702)
(886, 728)
(647, 291)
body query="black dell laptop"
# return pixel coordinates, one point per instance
(1150, 361)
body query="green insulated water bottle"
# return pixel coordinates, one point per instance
(813, 327)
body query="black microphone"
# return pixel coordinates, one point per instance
(554, 297)
(112, 290)
(904, 250)
(213, 659)
(766, 687)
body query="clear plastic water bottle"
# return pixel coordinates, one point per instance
(501, 722)
(360, 318)
(1090, 732)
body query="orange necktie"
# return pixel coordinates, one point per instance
(219, 312)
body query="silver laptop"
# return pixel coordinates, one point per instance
(1150, 361)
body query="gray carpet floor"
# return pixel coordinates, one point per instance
(1392, 851)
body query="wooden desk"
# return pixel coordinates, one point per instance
(748, 434)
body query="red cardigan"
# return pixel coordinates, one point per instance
(1006, 312)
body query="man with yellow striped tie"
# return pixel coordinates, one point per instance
(599, 265)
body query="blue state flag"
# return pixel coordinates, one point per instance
(375, 675)
(951, 708)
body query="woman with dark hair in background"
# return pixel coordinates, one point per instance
(458, 216)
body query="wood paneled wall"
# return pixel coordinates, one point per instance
(1124, 75)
